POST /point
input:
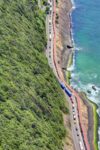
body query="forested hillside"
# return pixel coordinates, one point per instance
(31, 101)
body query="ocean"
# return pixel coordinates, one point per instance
(86, 35)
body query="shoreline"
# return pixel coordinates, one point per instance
(66, 61)
(96, 123)
(93, 105)
(95, 120)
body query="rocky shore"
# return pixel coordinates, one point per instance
(64, 42)
(63, 39)
(65, 49)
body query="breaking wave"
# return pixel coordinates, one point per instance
(92, 91)
(78, 48)
(73, 3)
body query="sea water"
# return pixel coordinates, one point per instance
(86, 34)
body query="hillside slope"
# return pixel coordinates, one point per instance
(31, 101)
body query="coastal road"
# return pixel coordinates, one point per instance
(50, 36)
(74, 115)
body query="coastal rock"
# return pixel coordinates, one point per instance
(68, 46)
(94, 88)
(88, 91)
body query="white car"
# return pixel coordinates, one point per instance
(74, 116)
(50, 36)
(50, 8)
(50, 4)
(81, 146)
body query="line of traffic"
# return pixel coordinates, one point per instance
(74, 108)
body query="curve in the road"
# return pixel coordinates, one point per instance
(61, 79)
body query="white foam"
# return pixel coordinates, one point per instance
(94, 75)
(73, 3)
(72, 75)
(72, 67)
(78, 48)
(74, 7)
(93, 94)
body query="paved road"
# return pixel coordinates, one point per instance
(50, 36)
(74, 116)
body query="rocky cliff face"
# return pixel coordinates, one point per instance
(64, 42)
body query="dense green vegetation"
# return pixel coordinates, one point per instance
(96, 124)
(31, 101)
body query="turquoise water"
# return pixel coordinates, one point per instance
(86, 34)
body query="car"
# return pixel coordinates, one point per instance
(74, 117)
(49, 20)
(50, 36)
(72, 102)
(50, 8)
(73, 112)
(77, 134)
(50, 12)
(81, 146)
(50, 31)
(73, 106)
(50, 4)
(74, 121)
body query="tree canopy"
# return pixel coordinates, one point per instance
(31, 101)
